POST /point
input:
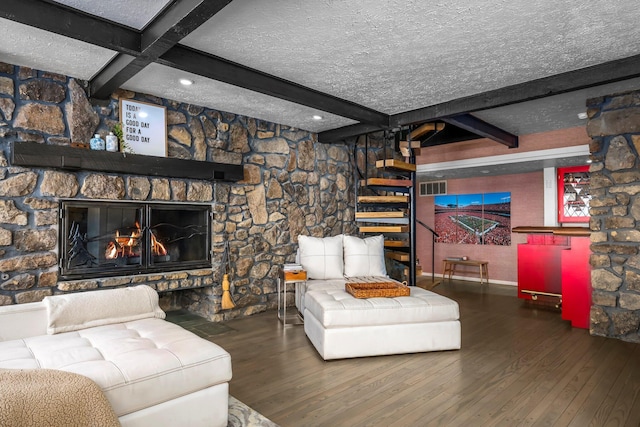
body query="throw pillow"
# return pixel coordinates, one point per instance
(321, 257)
(364, 257)
(81, 310)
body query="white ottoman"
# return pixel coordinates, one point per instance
(341, 326)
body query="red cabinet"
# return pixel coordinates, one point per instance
(576, 282)
(555, 268)
(540, 267)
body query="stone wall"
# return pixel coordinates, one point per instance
(614, 126)
(293, 185)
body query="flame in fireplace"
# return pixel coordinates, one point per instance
(157, 248)
(123, 245)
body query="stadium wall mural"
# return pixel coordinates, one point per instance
(476, 219)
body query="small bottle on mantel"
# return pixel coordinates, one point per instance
(96, 142)
(112, 142)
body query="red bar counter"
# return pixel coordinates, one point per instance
(554, 266)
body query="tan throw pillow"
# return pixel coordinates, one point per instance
(81, 310)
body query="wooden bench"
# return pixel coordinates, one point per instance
(449, 267)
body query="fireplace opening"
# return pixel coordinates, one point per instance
(100, 239)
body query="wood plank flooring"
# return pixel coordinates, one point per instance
(519, 365)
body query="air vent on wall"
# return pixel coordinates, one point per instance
(433, 188)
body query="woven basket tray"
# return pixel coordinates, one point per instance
(377, 289)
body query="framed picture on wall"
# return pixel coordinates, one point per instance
(144, 128)
(477, 219)
(573, 194)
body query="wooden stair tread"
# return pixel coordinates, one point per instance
(396, 244)
(407, 148)
(387, 182)
(384, 220)
(396, 164)
(398, 256)
(384, 229)
(425, 128)
(414, 144)
(383, 199)
(406, 153)
(384, 214)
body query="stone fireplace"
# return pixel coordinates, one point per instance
(291, 185)
(99, 238)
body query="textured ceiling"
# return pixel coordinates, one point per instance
(399, 55)
(392, 56)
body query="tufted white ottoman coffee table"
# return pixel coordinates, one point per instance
(341, 326)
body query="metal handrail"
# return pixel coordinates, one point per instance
(433, 248)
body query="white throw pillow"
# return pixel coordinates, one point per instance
(364, 257)
(81, 310)
(321, 257)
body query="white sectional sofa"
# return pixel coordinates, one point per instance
(153, 372)
(342, 326)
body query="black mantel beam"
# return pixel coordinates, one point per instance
(72, 158)
(175, 23)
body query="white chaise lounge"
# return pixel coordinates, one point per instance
(341, 326)
(153, 372)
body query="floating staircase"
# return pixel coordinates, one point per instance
(386, 205)
(388, 210)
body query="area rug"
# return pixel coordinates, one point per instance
(240, 415)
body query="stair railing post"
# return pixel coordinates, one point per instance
(412, 217)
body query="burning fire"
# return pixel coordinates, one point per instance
(157, 248)
(123, 245)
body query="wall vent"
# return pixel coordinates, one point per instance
(433, 188)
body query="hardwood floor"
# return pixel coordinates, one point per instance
(518, 366)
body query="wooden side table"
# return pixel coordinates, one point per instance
(449, 267)
(286, 277)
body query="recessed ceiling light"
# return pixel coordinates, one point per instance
(439, 176)
(317, 117)
(186, 82)
(485, 171)
(583, 116)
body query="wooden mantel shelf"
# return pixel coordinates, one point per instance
(71, 158)
(558, 231)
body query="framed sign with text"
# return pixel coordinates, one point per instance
(144, 128)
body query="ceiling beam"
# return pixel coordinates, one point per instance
(174, 24)
(72, 23)
(220, 69)
(482, 128)
(160, 43)
(596, 75)
(339, 134)
(448, 135)
(608, 72)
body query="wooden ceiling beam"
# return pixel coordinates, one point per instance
(159, 42)
(220, 69)
(345, 132)
(482, 128)
(596, 75)
(608, 72)
(174, 24)
(449, 135)
(72, 23)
